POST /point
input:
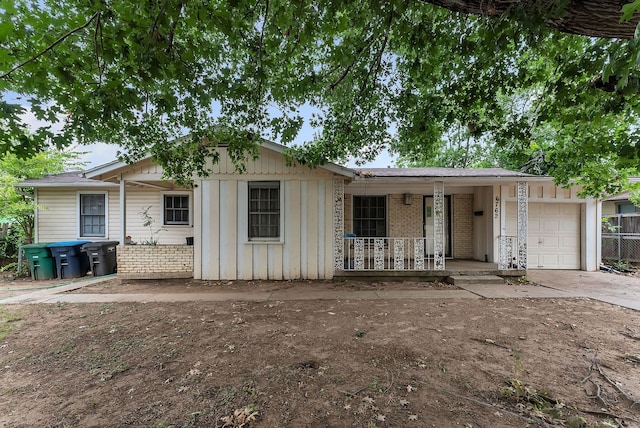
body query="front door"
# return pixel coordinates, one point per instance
(428, 225)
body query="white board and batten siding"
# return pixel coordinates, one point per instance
(559, 232)
(304, 249)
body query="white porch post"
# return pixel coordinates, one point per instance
(438, 226)
(523, 220)
(338, 224)
(123, 211)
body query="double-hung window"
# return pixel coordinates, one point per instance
(264, 210)
(93, 215)
(370, 216)
(176, 210)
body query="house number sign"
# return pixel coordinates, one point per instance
(496, 208)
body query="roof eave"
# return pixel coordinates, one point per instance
(486, 179)
(106, 168)
(99, 184)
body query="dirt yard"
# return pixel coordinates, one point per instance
(397, 363)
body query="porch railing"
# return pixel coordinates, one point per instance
(508, 253)
(388, 253)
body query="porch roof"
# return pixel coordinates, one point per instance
(455, 176)
(442, 172)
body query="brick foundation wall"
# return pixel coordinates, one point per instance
(155, 261)
(463, 226)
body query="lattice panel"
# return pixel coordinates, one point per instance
(338, 224)
(523, 219)
(418, 254)
(398, 254)
(438, 226)
(506, 252)
(358, 254)
(378, 254)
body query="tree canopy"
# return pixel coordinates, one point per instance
(176, 78)
(18, 204)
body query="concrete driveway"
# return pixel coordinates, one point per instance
(607, 287)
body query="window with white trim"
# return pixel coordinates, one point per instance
(264, 210)
(370, 216)
(176, 210)
(93, 215)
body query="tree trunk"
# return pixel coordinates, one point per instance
(584, 17)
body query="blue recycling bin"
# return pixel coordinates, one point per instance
(71, 260)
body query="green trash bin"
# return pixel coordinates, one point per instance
(41, 262)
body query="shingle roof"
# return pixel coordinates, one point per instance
(439, 172)
(65, 179)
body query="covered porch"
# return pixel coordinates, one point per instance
(430, 225)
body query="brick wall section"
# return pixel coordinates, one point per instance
(405, 221)
(155, 262)
(463, 226)
(348, 214)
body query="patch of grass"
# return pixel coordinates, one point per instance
(378, 387)
(537, 400)
(7, 322)
(65, 350)
(106, 364)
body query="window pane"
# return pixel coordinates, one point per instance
(92, 215)
(176, 209)
(369, 216)
(264, 209)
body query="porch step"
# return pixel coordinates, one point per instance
(472, 279)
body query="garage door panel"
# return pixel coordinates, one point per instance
(553, 234)
(550, 226)
(550, 242)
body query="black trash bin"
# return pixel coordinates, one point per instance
(71, 261)
(102, 257)
(41, 263)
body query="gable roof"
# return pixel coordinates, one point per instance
(278, 148)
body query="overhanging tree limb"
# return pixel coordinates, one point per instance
(594, 18)
(51, 46)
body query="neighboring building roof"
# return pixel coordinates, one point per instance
(440, 172)
(65, 179)
(621, 197)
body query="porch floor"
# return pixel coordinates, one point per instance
(452, 268)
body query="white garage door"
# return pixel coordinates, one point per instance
(554, 235)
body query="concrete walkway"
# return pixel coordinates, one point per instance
(615, 289)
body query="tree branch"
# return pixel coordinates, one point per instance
(594, 18)
(51, 46)
(344, 74)
(174, 25)
(378, 59)
(96, 49)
